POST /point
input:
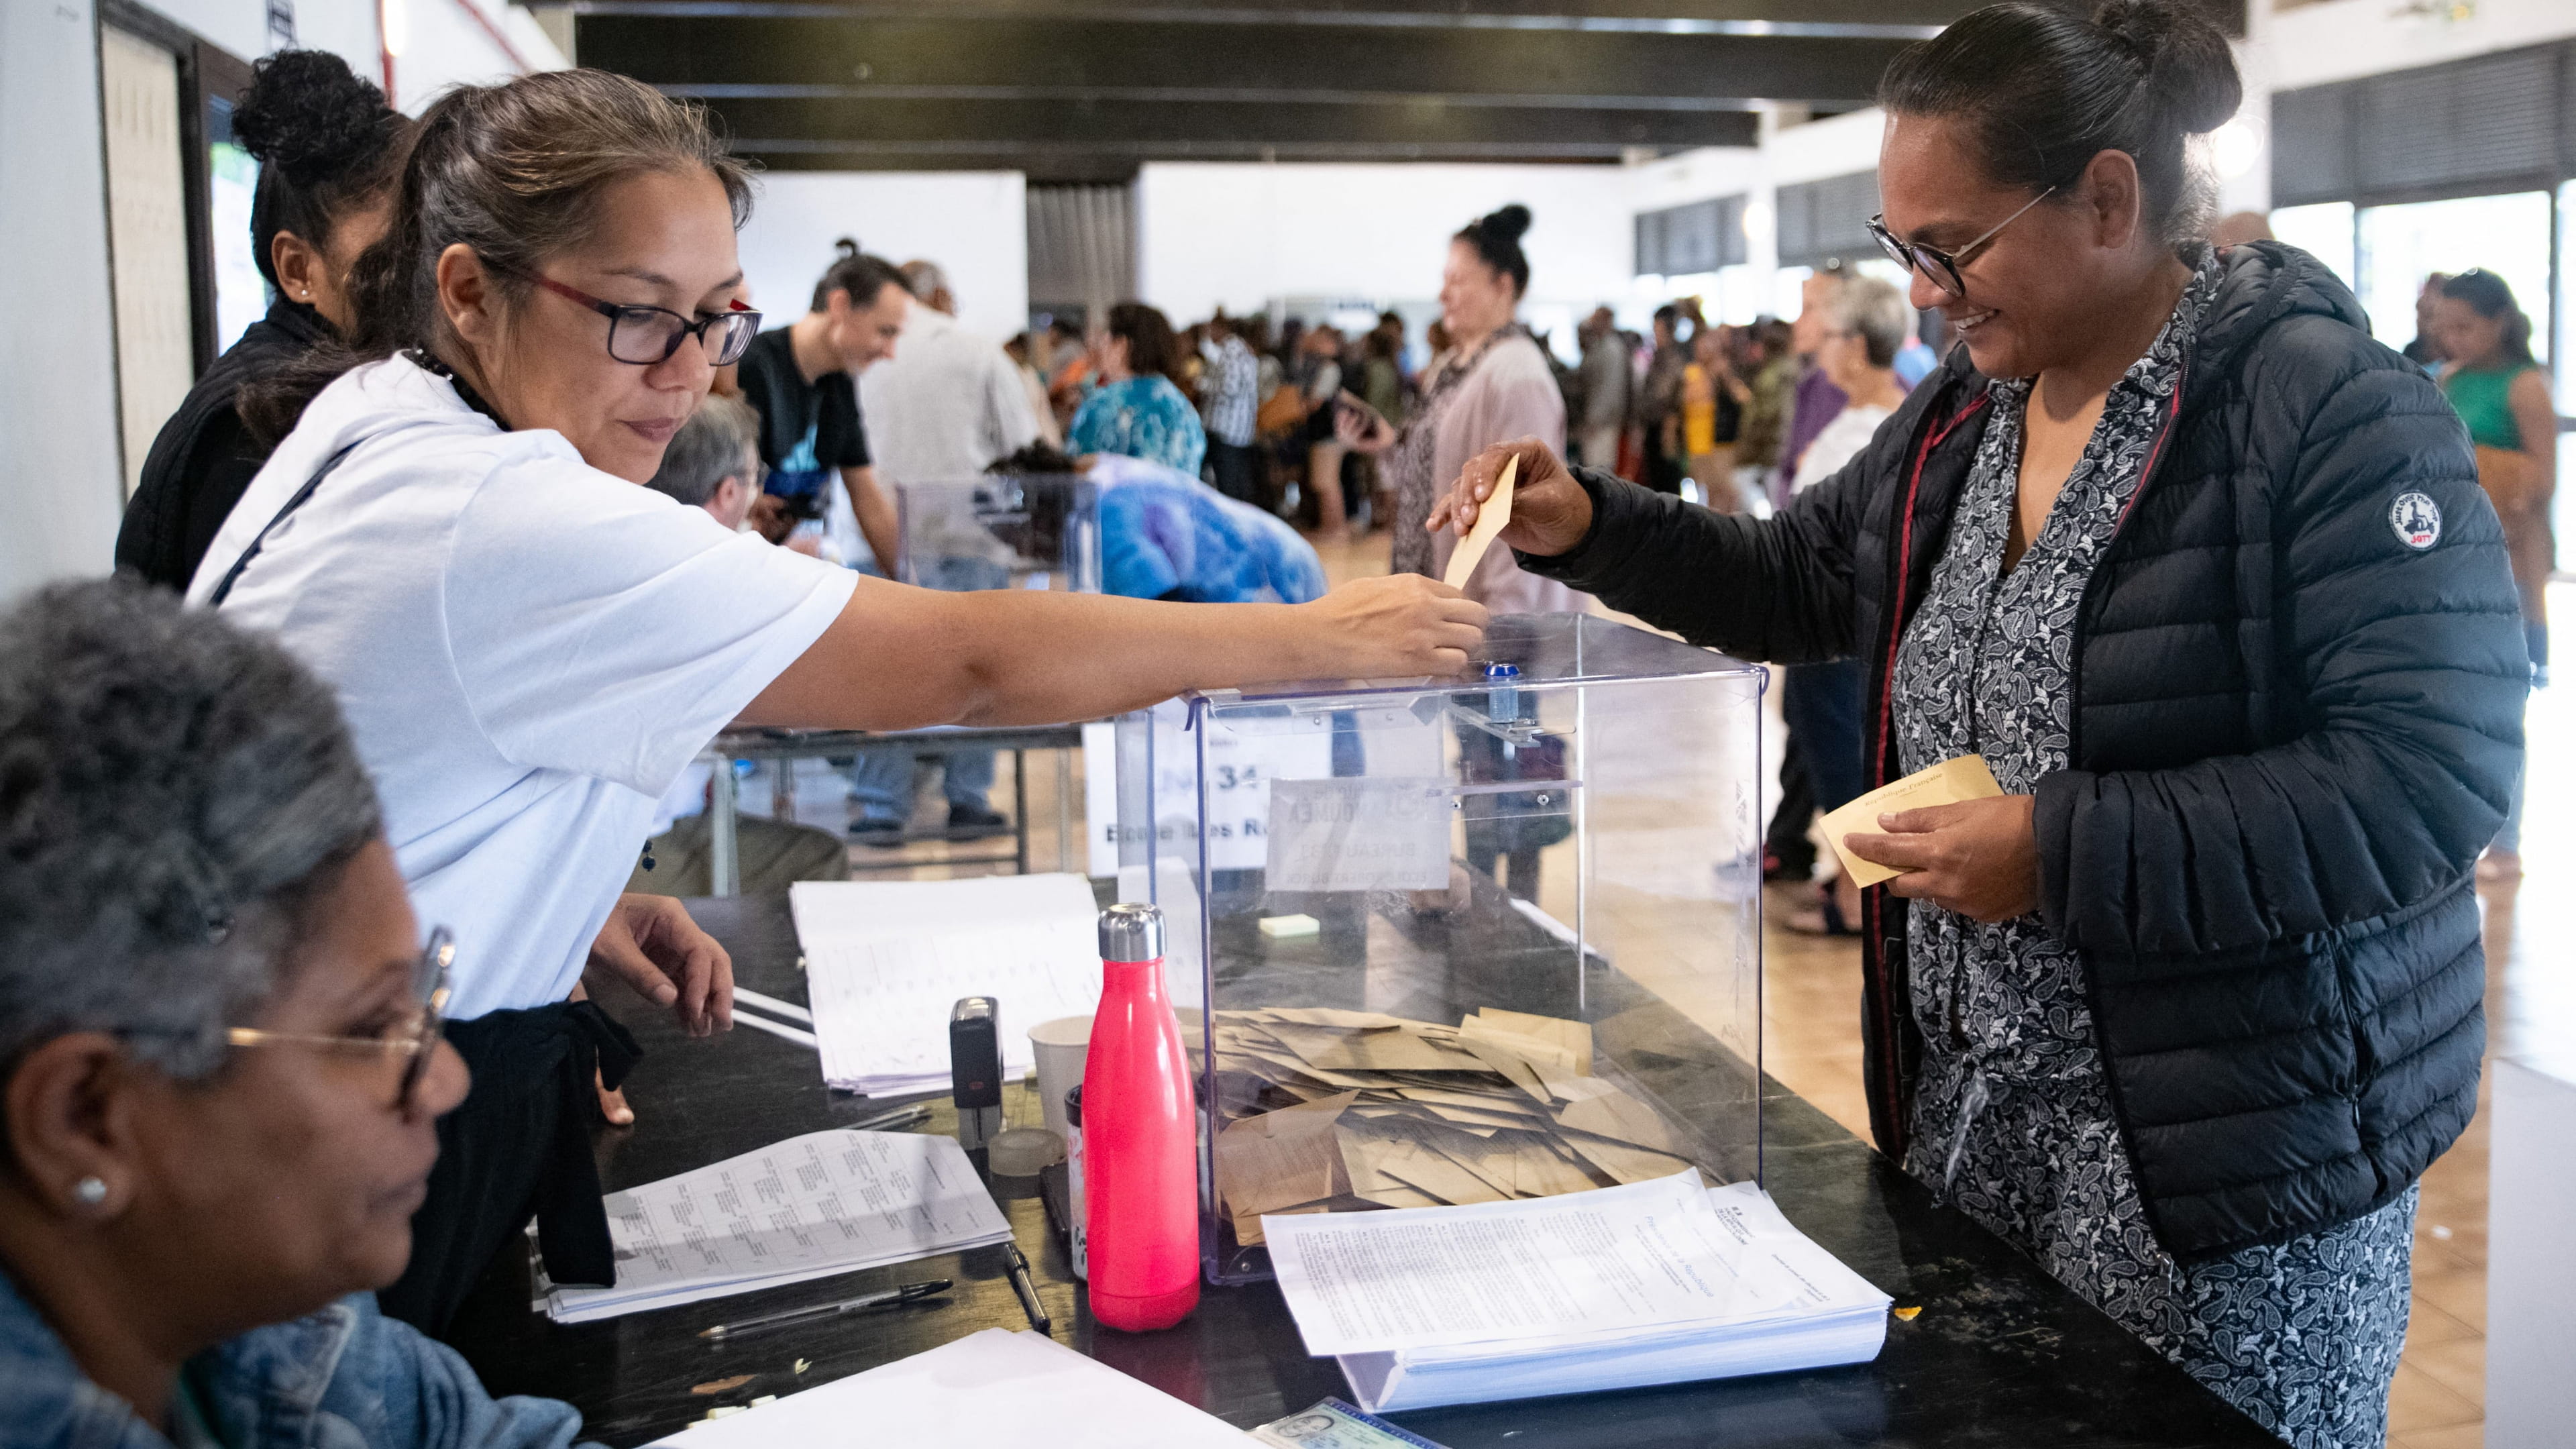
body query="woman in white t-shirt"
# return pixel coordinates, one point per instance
(530, 647)
(1867, 323)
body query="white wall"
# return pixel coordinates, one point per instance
(59, 493)
(973, 223)
(1239, 235)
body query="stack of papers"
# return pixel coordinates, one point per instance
(810, 1207)
(990, 1390)
(1654, 1283)
(1344, 1110)
(885, 961)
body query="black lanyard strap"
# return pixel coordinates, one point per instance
(233, 575)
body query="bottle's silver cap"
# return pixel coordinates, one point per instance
(1131, 932)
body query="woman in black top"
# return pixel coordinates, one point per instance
(329, 152)
(2203, 574)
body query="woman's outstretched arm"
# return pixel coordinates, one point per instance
(903, 658)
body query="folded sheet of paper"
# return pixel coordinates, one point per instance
(1654, 1282)
(994, 1389)
(810, 1207)
(885, 961)
(1330, 1110)
(1491, 517)
(1947, 783)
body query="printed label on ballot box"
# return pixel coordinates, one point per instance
(1358, 835)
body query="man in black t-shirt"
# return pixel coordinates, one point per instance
(801, 379)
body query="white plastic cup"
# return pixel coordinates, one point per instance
(1061, 1045)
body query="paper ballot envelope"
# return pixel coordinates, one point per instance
(1947, 783)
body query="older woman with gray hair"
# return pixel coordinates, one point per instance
(1866, 323)
(219, 1053)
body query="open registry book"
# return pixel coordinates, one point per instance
(885, 960)
(1651, 1283)
(815, 1206)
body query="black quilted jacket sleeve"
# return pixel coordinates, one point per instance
(1781, 589)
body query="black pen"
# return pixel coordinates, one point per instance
(1027, 1290)
(908, 1293)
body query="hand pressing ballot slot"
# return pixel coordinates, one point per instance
(1947, 783)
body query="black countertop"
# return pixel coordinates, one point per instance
(2000, 1355)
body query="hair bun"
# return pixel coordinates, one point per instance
(1506, 225)
(310, 116)
(846, 248)
(2190, 70)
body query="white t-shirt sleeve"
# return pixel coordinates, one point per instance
(603, 628)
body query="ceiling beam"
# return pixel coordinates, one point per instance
(1128, 57)
(1170, 127)
(1845, 19)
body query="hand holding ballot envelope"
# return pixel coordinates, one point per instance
(1947, 835)
(1549, 511)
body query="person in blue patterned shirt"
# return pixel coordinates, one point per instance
(1137, 412)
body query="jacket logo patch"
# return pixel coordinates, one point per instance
(2417, 521)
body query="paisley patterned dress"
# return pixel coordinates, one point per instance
(2013, 1121)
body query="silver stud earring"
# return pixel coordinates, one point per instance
(90, 1191)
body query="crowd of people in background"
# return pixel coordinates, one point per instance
(2475, 339)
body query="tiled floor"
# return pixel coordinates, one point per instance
(1811, 1014)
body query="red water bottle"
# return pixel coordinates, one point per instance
(1139, 1136)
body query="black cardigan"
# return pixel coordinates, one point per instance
(2294, 731)
(204, 458)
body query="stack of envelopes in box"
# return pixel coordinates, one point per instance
(1346, 1110)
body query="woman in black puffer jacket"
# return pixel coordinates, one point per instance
(2205, 576)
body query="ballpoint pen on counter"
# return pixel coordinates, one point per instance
(1027, 1290)
(908, 1293)
(893, 1119)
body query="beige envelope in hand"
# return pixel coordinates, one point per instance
(1947, 783)
(1491, 519)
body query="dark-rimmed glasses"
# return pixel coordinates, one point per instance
(644, 336)
(413, 1041)
(1938, 266)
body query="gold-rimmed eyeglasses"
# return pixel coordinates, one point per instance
(412, 1040)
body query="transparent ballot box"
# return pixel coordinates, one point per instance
(1018, 531)
(1459, 940)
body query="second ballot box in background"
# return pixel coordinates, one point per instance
(1002, 531)
(1460, 940)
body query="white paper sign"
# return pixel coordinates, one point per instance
(1100, 796)
(1359, 835)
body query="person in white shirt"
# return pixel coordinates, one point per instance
(1866, 323)
(948, 404)
(530, 647)
(944, 407)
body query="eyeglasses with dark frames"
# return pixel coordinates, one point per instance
(1937, 265)
(412, 1042)
(644, 336)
